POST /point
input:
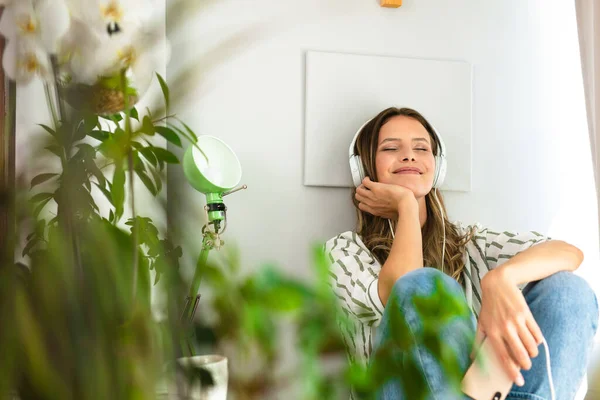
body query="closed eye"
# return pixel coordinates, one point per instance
(394, 149)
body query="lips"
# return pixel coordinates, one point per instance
(408, 170)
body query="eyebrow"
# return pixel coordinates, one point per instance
(399, 140)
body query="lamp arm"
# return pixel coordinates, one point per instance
(235, 190)
(207, 245)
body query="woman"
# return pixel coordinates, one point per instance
(402, 243)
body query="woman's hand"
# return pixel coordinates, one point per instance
(382, 199)
(506, 321)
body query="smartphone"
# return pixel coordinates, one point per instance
(486, 379)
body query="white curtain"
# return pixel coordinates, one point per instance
(588, 21)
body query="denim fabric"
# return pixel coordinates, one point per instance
(563, 305)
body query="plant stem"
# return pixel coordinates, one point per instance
(59, 91)
(66, 212)
(135, 233)
(163, 118)
(51, 106)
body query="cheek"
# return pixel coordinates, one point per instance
(431, 163)
(382, 164)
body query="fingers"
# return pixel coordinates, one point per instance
(364, 192)
(535, 330)
(528, 339)
(368, 183)
(366, 208)
(510, 367)
(517, 349)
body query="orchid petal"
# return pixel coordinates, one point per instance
(54, 23)
(8, 28)
(24, 59)
(25, 19)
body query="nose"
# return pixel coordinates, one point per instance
(407, 153)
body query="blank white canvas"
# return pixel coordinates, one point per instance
(344, 90)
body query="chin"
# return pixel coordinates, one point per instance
(419, 189)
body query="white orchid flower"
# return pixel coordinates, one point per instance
(107, 17)
(45, 20)
(33, 31)
(24, 59)
(113, 37)
(19, 19)
(54, 22)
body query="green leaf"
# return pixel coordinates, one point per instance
(41, 178)
(133, 113)
(130, 90)
(79, 131)
(111, 216)
(147, 126)
(41, 197)
(189, 130)
(169, 134)
(147, 181)
(29, 246)
(38, 209)
(99, 135)
(157, 179)
(55, 149)
(118, 191)
(111, 82)
(165, 89)
(92, 168)
(105, 192)
(148, 155)
(182, 133)
(90, 122)
(48, 129)
(165, 155)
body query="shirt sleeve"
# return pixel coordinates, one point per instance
(353, 278)
(498, 247)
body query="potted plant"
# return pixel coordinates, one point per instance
(79, 315)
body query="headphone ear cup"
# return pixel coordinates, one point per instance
(440, 171)
(357, 170)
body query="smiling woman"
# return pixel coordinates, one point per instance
(404, 248)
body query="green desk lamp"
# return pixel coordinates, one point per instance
(212, 168)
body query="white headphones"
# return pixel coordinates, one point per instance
(357, 168)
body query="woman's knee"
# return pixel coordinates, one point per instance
(569, 295)
(423, 282)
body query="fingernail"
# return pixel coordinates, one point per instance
(520, 381)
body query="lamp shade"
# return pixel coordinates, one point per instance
(217, 172)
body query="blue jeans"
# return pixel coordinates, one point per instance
(563, 305)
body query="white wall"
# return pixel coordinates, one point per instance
(531, 163)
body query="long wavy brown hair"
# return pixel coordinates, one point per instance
(375, 231)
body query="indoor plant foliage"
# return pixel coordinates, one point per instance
(80, 315)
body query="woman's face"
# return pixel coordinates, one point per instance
(405, 155)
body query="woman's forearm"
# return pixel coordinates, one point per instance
(541, 261)
(406, 253)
